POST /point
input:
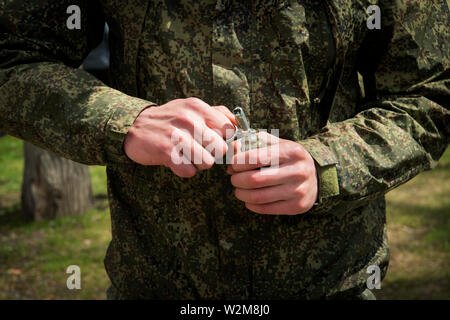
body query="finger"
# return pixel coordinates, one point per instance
(264, 138)
(227, 113)
(201, 159)
(192, 151)
(184, 170)
(230, 170)
(267, 138)
(260, 157)
(236, 146)
(179, 164)
(213, 142)
(283, 207)
(271, 176)
(267, 194)
(215, 119)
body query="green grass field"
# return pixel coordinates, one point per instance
(34, 256)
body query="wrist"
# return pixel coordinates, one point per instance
(118, 127)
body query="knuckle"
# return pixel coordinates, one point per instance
(298, 151)
(311, 169)
(301, 207)
(175, 136)
(177, 101)
(220, 151)
(185, 122)
(167, 150)
(164, 148)
(308, 172)
(224, 110)
(194, 103)
(208, 164)
(170, 133)
(299, 192)
(213, 142)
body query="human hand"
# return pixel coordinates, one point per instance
(287, 189)
(158, 134)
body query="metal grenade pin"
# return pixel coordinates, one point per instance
(249, 139)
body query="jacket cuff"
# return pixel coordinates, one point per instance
(325, 161)
(328, 182)
(126, 110)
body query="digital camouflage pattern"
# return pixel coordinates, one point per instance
(293, 66)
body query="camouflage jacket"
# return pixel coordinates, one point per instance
(292, 65)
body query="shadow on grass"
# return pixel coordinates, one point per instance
(438, 216)
(441, 213)
(12, 217)
(437, 219)
(422, 287)
(100, 198)
(101, 202)
(442, 166)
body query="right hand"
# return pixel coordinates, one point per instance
(150, 141)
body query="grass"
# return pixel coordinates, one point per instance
(418, 217)
(34, 255)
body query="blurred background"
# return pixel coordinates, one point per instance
(48, 223)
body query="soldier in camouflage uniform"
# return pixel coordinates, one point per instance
(292, 66)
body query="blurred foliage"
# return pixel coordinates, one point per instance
(34, 256)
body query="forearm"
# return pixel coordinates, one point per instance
(380, 148)
(66, 111)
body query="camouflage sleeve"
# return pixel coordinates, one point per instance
(404, 126)
(45, 98)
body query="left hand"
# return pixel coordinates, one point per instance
(287, 189)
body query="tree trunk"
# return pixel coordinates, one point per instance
(53, 186)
